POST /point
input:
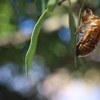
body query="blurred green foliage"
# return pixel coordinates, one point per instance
(6, 11)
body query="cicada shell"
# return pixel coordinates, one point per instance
(89, 41)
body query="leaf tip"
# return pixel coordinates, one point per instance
(26, 73)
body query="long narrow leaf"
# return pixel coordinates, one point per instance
(73, 26)
(31, 51)
(76, 38)
(79, 16)
(72, 29)
(71, 23)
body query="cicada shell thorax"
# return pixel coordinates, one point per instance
(88, 17)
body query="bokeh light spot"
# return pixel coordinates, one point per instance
(64, 34)
(59, 50)
(26, 27)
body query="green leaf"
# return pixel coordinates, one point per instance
(79, 16)
(31, 51)
(76, 39)
(51, 5)
(72, 24)
(72, 29)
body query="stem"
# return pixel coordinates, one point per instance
(76, 38)
(69, 3)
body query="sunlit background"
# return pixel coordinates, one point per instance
(52, 74)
